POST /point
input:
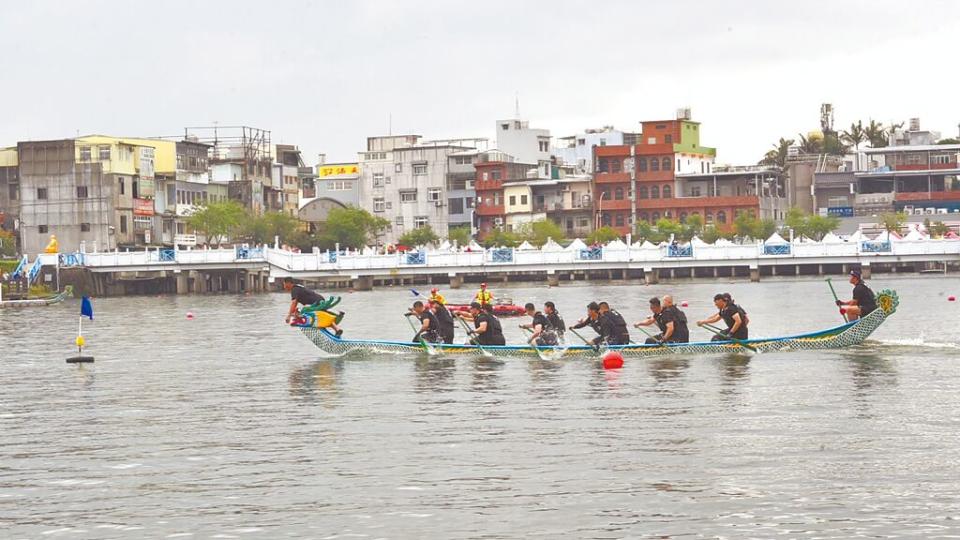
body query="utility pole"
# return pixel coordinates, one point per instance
(633, 186)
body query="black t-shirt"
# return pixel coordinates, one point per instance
(304, 295)
(865, 299)
(541, 319)
(428, 316)
(444, 317)
(494, 333)
(672, 314)
(727, 314)
(556, 322)
(613, 328)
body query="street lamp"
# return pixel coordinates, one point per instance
(600, 209)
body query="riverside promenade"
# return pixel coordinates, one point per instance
(247, 269)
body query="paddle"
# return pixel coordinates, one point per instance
(836, 299)
(596, 348)
(430, 350)
(739, 342)
(473, 340)
(536, 347)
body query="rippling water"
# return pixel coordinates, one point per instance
(232, 425)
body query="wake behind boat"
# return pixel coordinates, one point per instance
(846, 335)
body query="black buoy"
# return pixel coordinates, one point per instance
(80, 360)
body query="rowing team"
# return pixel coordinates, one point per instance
(547, 328)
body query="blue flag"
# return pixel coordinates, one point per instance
(86, 307)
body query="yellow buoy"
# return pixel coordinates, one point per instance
(80, 341)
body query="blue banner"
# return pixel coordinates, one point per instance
(840, 211)
(86, 307)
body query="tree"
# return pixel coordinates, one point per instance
(891, 131)
(694, 226)
(459, 235)
(949, 140)
(498, 237)
(603, 235)
(419, 237)
(217, 221)
(833, 145)
(668, 227)
(819, 226)
(745, 225)
(263, 229)
(855, 135)
(350, 227)
(8, 244)
(893, 221)
(813, 145)
(778, 156)
(538, 232)
(764, 228)
(876, 134)
(646, 231)
(938, 229)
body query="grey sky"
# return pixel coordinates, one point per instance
(325, 75)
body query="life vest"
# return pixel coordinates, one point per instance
(484, 296)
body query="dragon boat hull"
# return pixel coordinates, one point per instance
(839, 337)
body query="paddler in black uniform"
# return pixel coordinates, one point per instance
(429, 325)
(487, 328)
(543, 331)
(301, 295)
(613, 325)
(864, 301)
(669, 319)
(592, 320)
(733, 315)
(555, 320)
(445, 319)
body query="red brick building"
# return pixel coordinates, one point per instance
(675, 178)
(493, 170)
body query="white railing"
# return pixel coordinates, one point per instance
(349, 262)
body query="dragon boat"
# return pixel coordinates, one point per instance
(38, 302)
(845, 335)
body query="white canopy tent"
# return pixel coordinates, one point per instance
(576, 245)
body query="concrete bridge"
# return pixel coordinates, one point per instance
(254, 269)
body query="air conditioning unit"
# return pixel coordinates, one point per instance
(497, 221)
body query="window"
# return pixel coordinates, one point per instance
(618, 194)
(123, 189)
(683, 217)
(41, 193)
(13, 191)
(389, 205)
(42, 229)
(666, 192)
(420, 222)
(433, 194)
(84, 153)
(678, 164)
(654, 164)
(606, 220)
(455, 206)
(420, 169)
(513, 200)
(602, 165)
(408, 196)
(666, 164)
(642, 164)
(104, 153)
(603, 142)
(495, 175)
(666, 214)
(82, 192)
(695, 191)
(544, 146)
(523, 199)
(615, 165)
(644, 216)
(376, 155)
(84, 227)
(643, 192)
(582, 142)
(619, 220)
(399, 221)
(721, 217)
(377, 179)
(123, 224)
(654, 192)
(398, 167)
(655, 217)
(708, 219)
(583, 222)
(378, 205)
(668, 139)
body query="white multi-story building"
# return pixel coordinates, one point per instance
(577, 150)
(526, 144)
(405, 181)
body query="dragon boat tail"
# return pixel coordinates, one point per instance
(846, 335)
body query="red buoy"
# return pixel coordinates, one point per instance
(612, 360)
(843, 311)
(684, 304)
(951, 299)
(190, 315)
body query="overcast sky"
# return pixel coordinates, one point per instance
(325, 75)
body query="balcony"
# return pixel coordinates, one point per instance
(927, 196)
(612, 178)
(490, 210)
(488, 185)
(698, 202)
(613, 204)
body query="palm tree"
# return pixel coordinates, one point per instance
(855, 135)
(778, 156)
(810, 146)
(892, 129)
(876, 134)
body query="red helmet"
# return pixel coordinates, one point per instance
(433, 290)
(483, 285)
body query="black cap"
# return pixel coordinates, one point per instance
(654, 301)
(856, 272)
(475, 305)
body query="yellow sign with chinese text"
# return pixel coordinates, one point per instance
(340, 169)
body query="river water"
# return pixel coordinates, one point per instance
(231, 425)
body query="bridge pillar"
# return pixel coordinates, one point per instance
(773, 270)
(199, 281)
(553, 280)
(865, 271)
(755, 273)
(651, 276)
(183, 283)
(456, 281)
(250, 281)
(363, 283)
